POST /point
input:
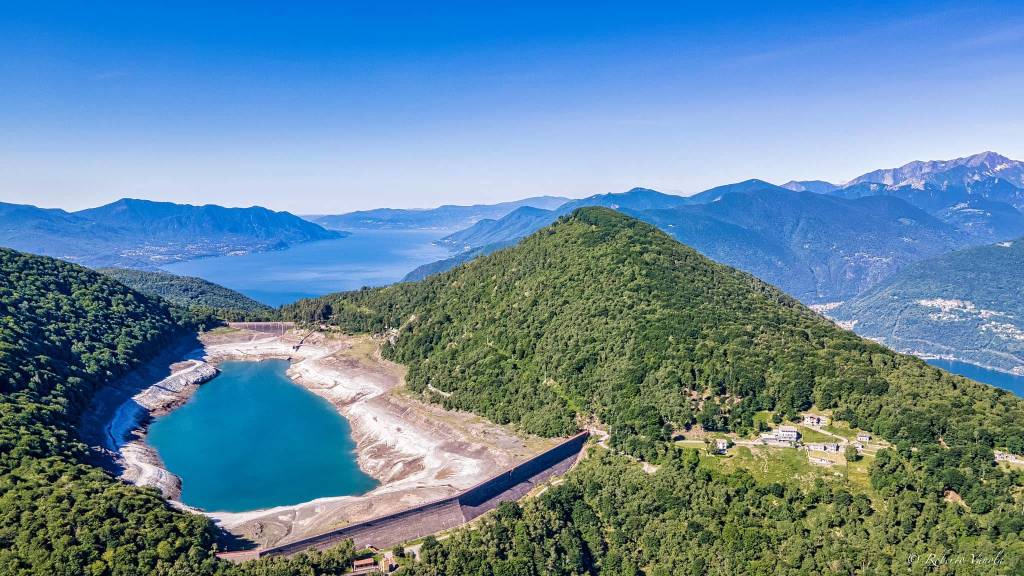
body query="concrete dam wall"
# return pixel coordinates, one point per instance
(447, 513)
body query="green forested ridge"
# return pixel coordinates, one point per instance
(192, 292)
(67, 330)
(610, 517)
(64, 331)
(603, 316)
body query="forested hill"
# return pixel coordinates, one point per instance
(65, 331)
(191, 292)
(603, 316)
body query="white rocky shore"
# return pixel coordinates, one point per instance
(142, 465)
(115, 423)
(417, 451)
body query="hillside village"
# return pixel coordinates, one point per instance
(812, 446)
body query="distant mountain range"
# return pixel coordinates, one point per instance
(816, 247)
(983, 194)
(527, 220)
(822, 242)
(145, 234)
(817, 240)
(447, 217)
(967, 305)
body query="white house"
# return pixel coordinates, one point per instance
(721, 445)
(788, 434)
(827, 447)
(815, 420)
(1008, 457)
(863, 437)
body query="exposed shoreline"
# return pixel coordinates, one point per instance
(417, 451)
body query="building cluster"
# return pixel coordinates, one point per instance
(388, 564)
(781, 436)
(815, 420)
(1008, 457)
(824, 447)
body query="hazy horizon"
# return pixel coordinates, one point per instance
(444, 203)
(330, 108)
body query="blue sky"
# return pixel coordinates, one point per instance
(331, 107)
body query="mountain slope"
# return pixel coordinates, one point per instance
(144, 234)
(517, 224)
(188, 291)
(815, 247)
(967, 305)
(603, 319)
(64, 332)
(716, 193)
(447, 217)
(602, 314)
(525, 221)
(438, 266)
(816, 186)
(948, 173)
(982, 194)
(160, 219)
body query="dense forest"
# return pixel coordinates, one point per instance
(192, 292)
(601, 316)
(598, 318)
(65, 331)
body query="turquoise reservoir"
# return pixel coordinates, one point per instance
(251, 438)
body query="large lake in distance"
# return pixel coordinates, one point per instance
(251, 438)
(995, 378)
(366, 258)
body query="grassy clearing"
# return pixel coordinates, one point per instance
(811, 435)
(765, 464)
(841, 429)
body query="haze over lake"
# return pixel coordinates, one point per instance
(366, 258)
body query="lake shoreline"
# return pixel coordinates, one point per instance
(416, 451)
(310, 269)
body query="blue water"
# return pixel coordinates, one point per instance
(1002, 380)
(366, 258)
(251, 438)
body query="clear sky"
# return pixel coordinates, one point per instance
(319, 108)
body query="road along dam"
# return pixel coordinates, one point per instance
(446, 513)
